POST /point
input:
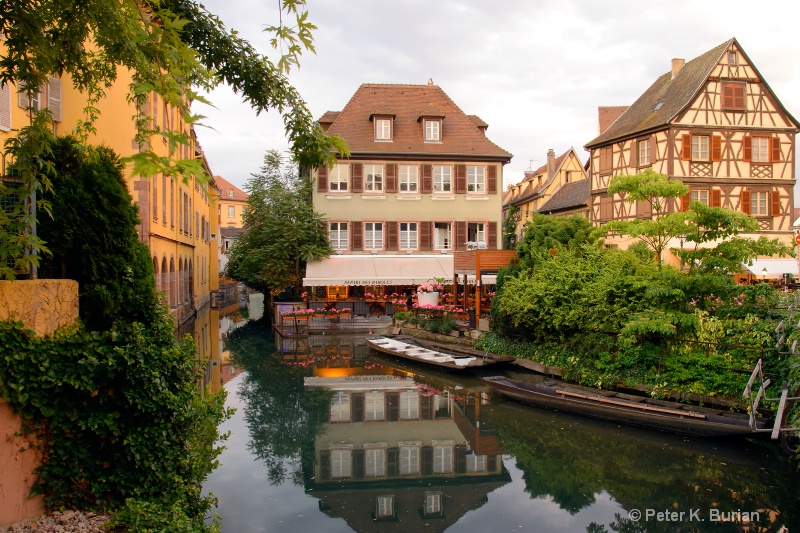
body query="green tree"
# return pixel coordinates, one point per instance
(282, 230)
(92, 237)
(510, 228)
(543, 233)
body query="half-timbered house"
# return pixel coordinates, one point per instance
(713, 123)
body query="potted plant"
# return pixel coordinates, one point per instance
(428, 294)
(345, 312)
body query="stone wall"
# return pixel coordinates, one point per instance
(43, 306)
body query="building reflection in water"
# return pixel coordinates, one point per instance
(395, 448)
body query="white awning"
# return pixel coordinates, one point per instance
(378, 270)
(772, 268)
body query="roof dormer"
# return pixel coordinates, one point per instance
(431, 127)
(383, 126)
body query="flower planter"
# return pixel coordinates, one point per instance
(345, 314)
(427, 298)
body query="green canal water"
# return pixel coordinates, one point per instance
(328, 437)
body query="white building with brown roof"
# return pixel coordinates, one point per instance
(422, 180)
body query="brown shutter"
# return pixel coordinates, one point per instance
(686, 147)
(491, 186)
(775, 143)
(427, 460)
(356, 235)
(634, 153)
(392, 406)
(492, 237)
(776, 202)
(716, 198)
(685, 200)
(716, 148)
(427, 179)
(727, 96)
(426, 407)
(392, 462)
(461, 236)
(325, 464)
(461, 179)
(738, 97)
(359, 463)
(461, 459)
(357, 177)
(391, 178)
(747, 148)
(322, 179)
(491, 463)
(425, 230)
(392, 232)
(745, 201)
(653, 149)
(357, 406)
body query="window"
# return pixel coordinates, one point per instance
(373, 178)
(476, 181)
(408, 235)
(340, 407)
(374, 406)
(644, 152)
(699, 196)
(409, 405)
(433, 131)
(340, 463)
(441, 236)
(383, 129)
(376, 462)
(231, 211)
(758, 203)
(338, 235)
(384, 507)
(475, 232)
(409, 178)
(732, 60)
(37, 99)
(476, 463)
(409, 460)
(433, 503)
(605, 159)
(733, 96)
(230, 193)
(760, 150)
(338, 178)
(373, 235)
(442, 459)
(699, 148)
(442, 178)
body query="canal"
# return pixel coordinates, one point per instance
(330, 437)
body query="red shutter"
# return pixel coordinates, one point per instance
(686, 147)
(775, 143)
(357, 177)
(738, 97)
(322, 179)
(461, 236)
(492, 237)
(776, 203)
(653, 149)
(491, 186)
(427, 179)
(745, 201)
(716, 148)
(425, 244)
(461, 179)
(391, 178)
(747, 148)
(685, 200)
(634, 153)
(356, 235)
(716, 198)
(392, 231)
(727, 96)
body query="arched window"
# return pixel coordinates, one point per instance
(155, 273)
(163, 284)
(173, 284)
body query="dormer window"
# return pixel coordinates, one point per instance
(383, 128)
(230, 193)
(433, 130)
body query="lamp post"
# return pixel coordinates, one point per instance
(764, 274)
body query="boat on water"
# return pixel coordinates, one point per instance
(453, 360)
(629, 409)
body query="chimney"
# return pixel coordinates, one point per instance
(677, 65)
(551, 163)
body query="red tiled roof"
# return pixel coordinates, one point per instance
(460, 134)
(225, 186)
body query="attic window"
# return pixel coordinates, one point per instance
(658, 106)
(433, 130)
(230, 193)
(383, 129)
(732, 59)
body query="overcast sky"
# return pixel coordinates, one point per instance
(534, 70)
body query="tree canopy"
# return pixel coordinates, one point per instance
(282, 230)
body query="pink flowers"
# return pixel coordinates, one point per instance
(430, 287)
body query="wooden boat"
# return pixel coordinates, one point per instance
(441, 358)
(628, 409)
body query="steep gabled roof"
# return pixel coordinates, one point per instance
(665, 98)
(569, 196)
(542, 170)
(225, 186)
(461, 136)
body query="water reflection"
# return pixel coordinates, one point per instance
(352, 441)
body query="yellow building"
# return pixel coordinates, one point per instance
(177, 218)
(232, 201)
